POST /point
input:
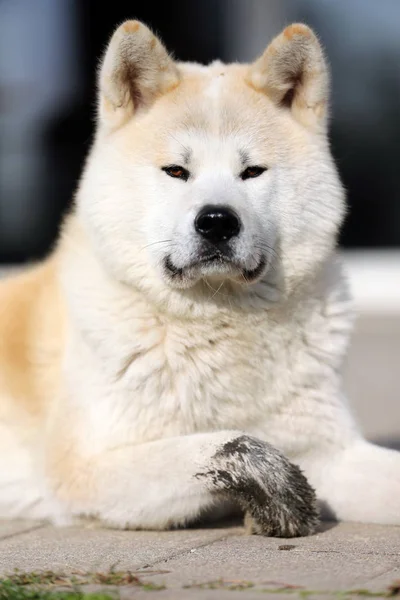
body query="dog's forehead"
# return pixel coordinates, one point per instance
(214, 109)
(213, 114)
(214, 86)
(204, 72)
(217, 99)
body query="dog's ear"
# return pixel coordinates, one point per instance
(293, 73)
(136, 69)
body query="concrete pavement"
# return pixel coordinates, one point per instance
(214, 562)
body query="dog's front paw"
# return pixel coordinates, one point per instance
(274, 493)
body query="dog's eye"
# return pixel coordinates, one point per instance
(252, 172)
(177, 172)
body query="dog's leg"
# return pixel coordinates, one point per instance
(169, 482)
(360, 482)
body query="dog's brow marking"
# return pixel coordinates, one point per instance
(186, 156)
(186, 153)
(244, 157)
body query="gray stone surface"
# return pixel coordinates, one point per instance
(97, 549)
(383, 581)
(205, 594)
(10, 528)
(339, 558)
(213, 563)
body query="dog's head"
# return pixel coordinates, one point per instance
(220, 173)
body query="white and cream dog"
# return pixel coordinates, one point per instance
(181, 347)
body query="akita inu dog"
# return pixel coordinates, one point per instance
(181, 347)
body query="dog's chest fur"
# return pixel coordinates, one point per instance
(150, 376)
(197, 376)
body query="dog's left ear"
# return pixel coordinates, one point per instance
(135, 71)
(293, 73)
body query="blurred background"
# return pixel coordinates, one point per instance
(49, 51)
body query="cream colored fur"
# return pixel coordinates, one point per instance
(119, 381)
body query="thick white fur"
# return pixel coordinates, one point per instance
(156, 376)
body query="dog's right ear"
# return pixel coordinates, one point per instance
(136, 69)
(294, 74)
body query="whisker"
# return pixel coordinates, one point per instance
(263, 245)
(246, 281)
(154, 243)
(209, 286)
(185, 148)
(215, 291)
(269, 251)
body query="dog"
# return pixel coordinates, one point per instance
(179, 351)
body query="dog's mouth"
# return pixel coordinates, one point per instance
(214, 263)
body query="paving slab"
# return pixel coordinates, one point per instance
(316, 571)
(11, 528)
(98, 549)
(204, 594)
(256, 594)
(217, 562)
(134, 593)
(384, 580)
(344, 538)
(342, 557)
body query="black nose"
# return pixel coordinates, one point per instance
(217, 223)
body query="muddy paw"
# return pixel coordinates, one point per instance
(275, 495)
